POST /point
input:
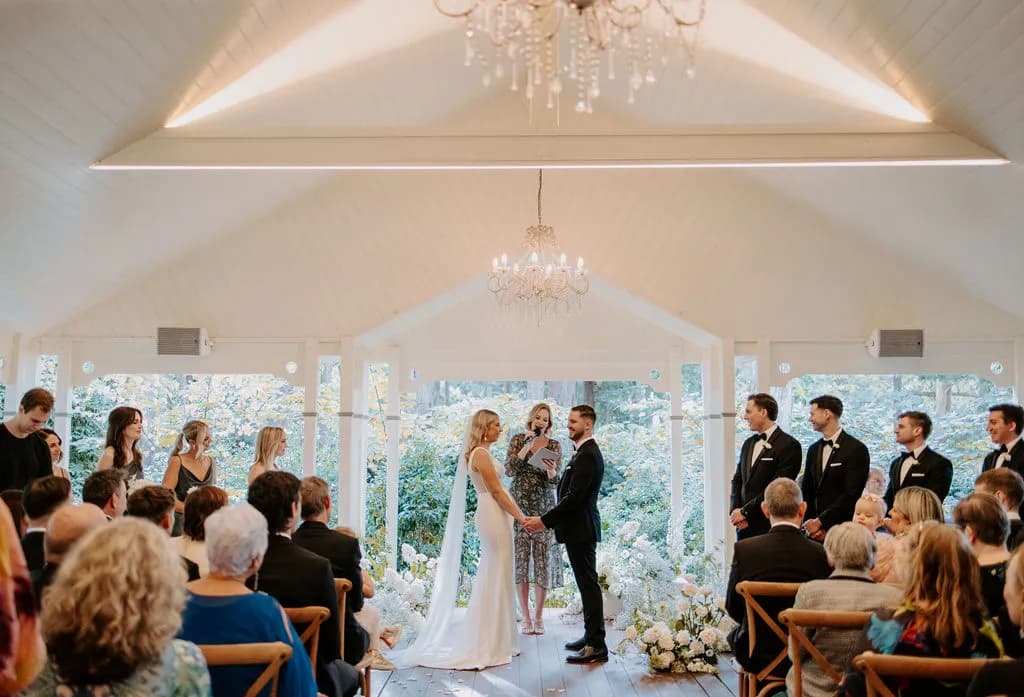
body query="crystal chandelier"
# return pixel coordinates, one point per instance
(541, 282)
(523, 39)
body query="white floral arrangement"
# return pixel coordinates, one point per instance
(685, 638)
(404, 598)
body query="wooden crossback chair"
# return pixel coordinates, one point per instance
(311, 618)
(343, 586)
(764, 681)
(798, 620)
(274, 654)
(875, 666)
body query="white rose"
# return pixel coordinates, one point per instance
(696, 647)
(683, 605)
(408, 554)
(690, 577)
(629, 530)
(665, 642)
(423, 558)
(702, 611)
(391, 576)
(662, 628)
(689, 590)
(720, 604)
(662, 661)
(709, 636)
(651, 636)
(682, 637)
(706, 591)
(631, 633)
(431, 564)
(417, 621)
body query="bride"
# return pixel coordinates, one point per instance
(485, 633)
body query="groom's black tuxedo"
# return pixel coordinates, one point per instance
(577, 525)
(575, 517)
(781, 458)
(1016, 461)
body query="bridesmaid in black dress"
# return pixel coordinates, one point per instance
(124, 429)
(190, 469)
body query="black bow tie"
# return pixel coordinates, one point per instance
(826, 443)
(1003, 449)
(908, 454)
(762, 436)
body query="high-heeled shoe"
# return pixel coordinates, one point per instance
(390, 635)
(538, 626)
(527, 626)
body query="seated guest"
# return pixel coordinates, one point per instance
(1008, 487)
(156, 504)
(912, 505)
(55, 444)
(942, 614)
(106, 489)
(343, 553)
(198, 506)
(876, 482)
(984, 522)
(108, 631)
(869, 513)
(42, 497)
(851, 552)
(370, 618)
(1005, 677)
(781, 554)
(297, 577)
(14, 499)
(221, 610)
(67, 525)
(21, 651)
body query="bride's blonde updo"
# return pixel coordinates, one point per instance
(478, 425)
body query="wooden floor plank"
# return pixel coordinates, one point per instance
(541, 671)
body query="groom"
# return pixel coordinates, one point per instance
(577, 525)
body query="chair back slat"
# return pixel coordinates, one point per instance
(751, 591)
(875, 666)
(342, 586)
(311, 618)
(797, 620)
(274, 654)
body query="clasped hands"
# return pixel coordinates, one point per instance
(532, 524)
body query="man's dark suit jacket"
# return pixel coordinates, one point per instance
(832, 495)
(575, 518)
(41, 579)
(783, 554)
(932, 471)
(1016, 461)
(32, 546)
(297, 577)
(781, 458)
(1016, 534)
(343, 553)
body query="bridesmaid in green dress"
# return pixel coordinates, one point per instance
(538, 559)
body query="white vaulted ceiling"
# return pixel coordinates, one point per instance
(313, 253)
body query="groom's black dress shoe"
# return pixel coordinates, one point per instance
(589, 654)
(576, 645)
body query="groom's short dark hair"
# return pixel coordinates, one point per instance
(586, 412)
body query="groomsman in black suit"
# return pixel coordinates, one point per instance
(1008, 487)
(836, 471)
(577, 525)
(767, 455)
(1005, 423)
(918, 465)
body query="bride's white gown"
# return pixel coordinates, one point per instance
(484, 634)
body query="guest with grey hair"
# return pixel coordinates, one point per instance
(220, 609)
(783, 554)
(851, 550)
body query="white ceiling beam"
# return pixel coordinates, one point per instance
(161, 151)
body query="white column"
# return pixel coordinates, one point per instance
(352, 431)
(394, 433)
(1018, 369)
(62, 398)
(675, 391)
(22, 372)
(764, 366)
(311, 374)
(718, 372)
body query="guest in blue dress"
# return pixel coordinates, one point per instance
(221, 610)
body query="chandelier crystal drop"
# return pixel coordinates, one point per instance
(542, 282)
(541, 45)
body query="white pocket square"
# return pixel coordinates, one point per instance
(917, 474)
(836, 464)
(767, 459)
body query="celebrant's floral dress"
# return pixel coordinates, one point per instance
(538, 558)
